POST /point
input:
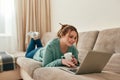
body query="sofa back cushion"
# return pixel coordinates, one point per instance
(86, 43)
(114, 63)
(87, 40)
(109, 41)
(48, 36)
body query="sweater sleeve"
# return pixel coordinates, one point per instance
(49, 58)
(75, 53)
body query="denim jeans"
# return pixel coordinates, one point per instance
(33, 46)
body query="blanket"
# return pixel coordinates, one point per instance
(7, 61)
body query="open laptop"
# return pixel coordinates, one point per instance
(94, 62)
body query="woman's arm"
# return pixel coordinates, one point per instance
(49, 59)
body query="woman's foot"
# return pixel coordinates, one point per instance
(34, 35)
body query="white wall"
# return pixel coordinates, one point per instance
(8, 43)
(86, 14)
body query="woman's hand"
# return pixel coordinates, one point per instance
(74, 60)
(68, 63)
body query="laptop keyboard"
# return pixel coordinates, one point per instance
(72, 69)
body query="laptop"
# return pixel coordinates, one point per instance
(94, 62)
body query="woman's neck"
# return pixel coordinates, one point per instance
(63, 47)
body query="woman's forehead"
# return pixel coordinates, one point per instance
(72, 33)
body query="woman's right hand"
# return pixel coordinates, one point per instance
(68, 63)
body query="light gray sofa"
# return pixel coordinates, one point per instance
(107, 40)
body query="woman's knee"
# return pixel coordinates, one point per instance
(28, 56)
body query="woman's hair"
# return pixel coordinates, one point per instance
(65, 28)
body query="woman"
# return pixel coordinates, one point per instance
(52, 54)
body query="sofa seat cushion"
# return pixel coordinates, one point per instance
(52, 73)
(105, 75)
(27, 64)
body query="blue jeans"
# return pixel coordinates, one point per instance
(31, 50)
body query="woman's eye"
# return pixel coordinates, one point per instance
(73, 37)
(70, 36)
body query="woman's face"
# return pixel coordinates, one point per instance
(70, 38)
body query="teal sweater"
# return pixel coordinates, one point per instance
(51, 55)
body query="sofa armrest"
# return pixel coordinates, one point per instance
(27, 64)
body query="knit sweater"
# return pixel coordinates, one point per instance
(51, 55)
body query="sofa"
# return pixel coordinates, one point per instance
(107, 40)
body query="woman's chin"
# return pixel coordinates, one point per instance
(70, 45)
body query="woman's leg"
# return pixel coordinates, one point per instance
(32, 53)
(31, 49)
(35, 41)
(38, 43)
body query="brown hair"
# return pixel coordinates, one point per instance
(65, 28)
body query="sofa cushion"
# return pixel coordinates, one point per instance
(108, 41)
(87, 40)
(86, 43)
(53, 73)
(48, 36)
(114, 63)
(27, 64)
(82, 54)
(50, 73)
